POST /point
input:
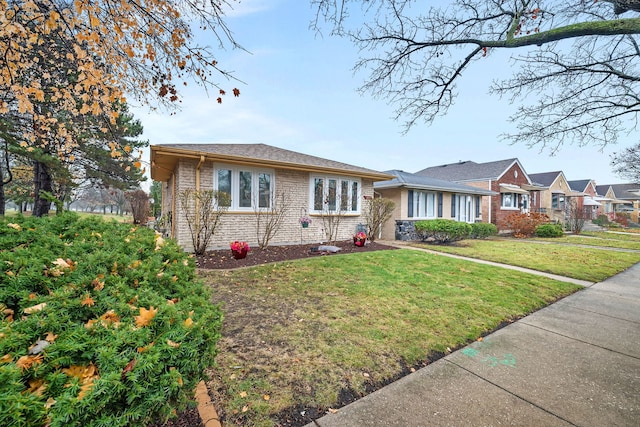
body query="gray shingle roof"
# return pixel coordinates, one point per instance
(410, 180)
(545, 179)
(468, 170)
(627, 191)
(267, 153)
(579, 185)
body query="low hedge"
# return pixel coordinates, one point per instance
(442, 230)
(483, 230)
(101, 324)
(549, 230)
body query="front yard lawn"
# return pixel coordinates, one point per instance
(302, 337)
(582, 263)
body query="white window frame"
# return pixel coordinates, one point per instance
(560, 200)
(255, 186)
(514, 201)
(422, 209)
(325, 194)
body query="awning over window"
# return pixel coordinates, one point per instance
(511, 188)
(588, 201)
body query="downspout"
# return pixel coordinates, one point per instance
(490, 205)
(198, 173)
(173, 205)
(197, 207)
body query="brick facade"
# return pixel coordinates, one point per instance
(294, 184)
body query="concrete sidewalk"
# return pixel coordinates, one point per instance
(573, 363)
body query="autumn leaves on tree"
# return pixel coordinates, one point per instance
(67, 68)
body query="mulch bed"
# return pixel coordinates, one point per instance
(222, 259)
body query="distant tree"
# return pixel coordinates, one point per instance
(626, 163)
(575, 78)
(155, 193)
(139, 203)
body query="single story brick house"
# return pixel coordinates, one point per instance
(419, 198)
(261, 179)
(513, 190)
(623, 198)
(556, 196)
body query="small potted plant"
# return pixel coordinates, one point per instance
(360, 238)
(239, 249)
(305, 221)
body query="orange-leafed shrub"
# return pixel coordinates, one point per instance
(523, 224)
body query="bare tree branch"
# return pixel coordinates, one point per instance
(574, 76)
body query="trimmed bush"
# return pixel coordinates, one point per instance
(442, 230)
(483, 230)
(101, 324)
(549, 230)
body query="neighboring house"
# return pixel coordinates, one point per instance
(259, 177)
(555, 196)
(506, 178)
(620, 198)
(590, 199)
(420, 197)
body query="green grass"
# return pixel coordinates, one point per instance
(583, 263)
(298, 333)
(602, 239)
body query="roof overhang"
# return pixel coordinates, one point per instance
(386, 185)
(164, 160)
(588, 201)
(511, 188)
(531, 187)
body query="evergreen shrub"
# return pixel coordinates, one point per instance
(549, 230)
(442, 230)
(482, 230)
(601, 220)
(101, 324)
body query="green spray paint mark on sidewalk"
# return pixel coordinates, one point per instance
(507, 359)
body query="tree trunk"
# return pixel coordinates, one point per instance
(2, 197)
(41, 182)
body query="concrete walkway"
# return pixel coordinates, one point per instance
(573, 363)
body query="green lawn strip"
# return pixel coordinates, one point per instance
(582, 263)
(314, 327)
(610, 240)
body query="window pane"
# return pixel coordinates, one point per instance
(331, 197)
(264, 184)
(224, 184)
(431, 205)
(354, 196)
(344, 195)
(507, 200)
(245, 190)
(318, 194)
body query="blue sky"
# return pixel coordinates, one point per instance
(299, 92)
